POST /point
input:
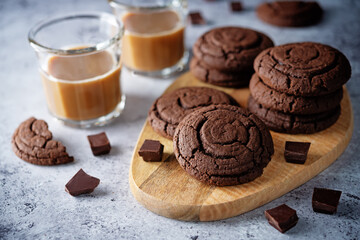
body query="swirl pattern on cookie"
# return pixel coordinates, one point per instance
(230, 48)
(223, 145)
(303, 69)
(168, 110)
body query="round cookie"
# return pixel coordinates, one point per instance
(270, 98)
(303, 69)
(230, 48)
(223, 145)
(290, 13)
(169, 109)
(219, 78)
(32, 142)
(294, 124)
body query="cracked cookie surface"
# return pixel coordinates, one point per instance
(303, 69)
(169, 109)
(294, 124)
(32, 142)
(217, 77)
(290, 13)
(270, 98)
(223, 145)
(230, 48)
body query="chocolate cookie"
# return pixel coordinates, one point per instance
(294, 124)
(290, 13)
(230, 48)
(168, 110)
(270, 98)
(223, 145)
(219, 78)
(303, 69)
(32, 142)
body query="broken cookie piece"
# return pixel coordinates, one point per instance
(81, 183)
(32, 142)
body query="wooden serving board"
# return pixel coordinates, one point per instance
(166, 189)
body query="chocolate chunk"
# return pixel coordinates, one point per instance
(196, 18)
(81, 183)
(325, 200)
(282, 217)
(151, 151)
(99, 144)
(296, 152)
(236, 6)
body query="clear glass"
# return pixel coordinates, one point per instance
(154, 38)
(79, 63)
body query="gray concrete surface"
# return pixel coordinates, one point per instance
(33, 203)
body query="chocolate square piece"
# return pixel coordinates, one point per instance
(196, 18)
(282, 217)
(296, 152)
(325, 200)
(81, 183)
(151, 151)
(99, 144)
(236, 6)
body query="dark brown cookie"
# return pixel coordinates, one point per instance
(32, 142)
(230, 48)
(270, 98)
(294, 124)
(219, 78)
(303, 69)
(290, 13)
(223, 145)
(168, 110)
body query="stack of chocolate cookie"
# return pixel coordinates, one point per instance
(297, 88)
(224, 56)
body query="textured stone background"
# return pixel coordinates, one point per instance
(33, 203)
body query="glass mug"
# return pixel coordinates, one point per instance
(79, 63)
(154, 38)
